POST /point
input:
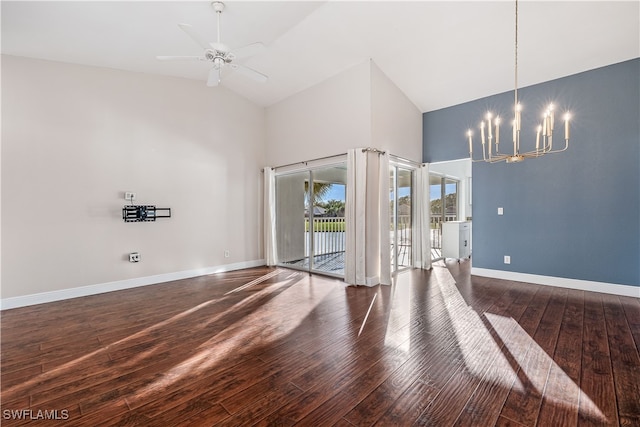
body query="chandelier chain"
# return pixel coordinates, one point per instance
(516, 60)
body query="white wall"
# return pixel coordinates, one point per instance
(323, 120)
(359, 107)
(74, 138)
(395, 121)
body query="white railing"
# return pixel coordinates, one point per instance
(328, 236)
(329, 233)
(404, 229)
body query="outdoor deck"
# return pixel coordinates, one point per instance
(330, 246)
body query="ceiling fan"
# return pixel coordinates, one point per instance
(219, 54)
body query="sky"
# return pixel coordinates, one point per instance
(337, 192)
(434, 192)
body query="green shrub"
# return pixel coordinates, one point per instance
(337, 226)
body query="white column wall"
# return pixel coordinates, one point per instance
(396, 123)
(323, 120)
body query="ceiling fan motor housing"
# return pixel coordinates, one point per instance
(218, 6)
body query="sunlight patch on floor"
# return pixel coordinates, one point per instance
(364, 321)
(397, 334)
(484, 358)
(51, 375)
(260, 328)
(256, 281)
(73, 364)
(476, 344)
(520, 339)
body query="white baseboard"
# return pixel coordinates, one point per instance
(82, 291)
(562, 282)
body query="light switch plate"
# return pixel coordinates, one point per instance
(500, 211)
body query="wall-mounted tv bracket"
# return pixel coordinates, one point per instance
(143, 213)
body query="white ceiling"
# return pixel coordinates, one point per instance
(439, 53)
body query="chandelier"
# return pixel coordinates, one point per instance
(490, 129)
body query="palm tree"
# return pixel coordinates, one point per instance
(320, 190)
(334, 208)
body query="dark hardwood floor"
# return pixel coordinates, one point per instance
(279, 347)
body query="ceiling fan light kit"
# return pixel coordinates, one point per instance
(218, 54)
(544, 131)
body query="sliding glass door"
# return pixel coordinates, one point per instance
(401, 214)
(292, 197)
(310, 222)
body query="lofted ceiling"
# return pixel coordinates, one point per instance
(439, 53)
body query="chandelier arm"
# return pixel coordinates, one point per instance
(566, 146)
(539, 153)
(477, 160)
(493, 160)
(548, 145)
(536, 153)
(530, 154)
(499, 159)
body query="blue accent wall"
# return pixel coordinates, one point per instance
(574, 214)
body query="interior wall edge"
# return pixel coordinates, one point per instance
(83, 291)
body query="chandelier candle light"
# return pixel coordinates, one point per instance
(492, 126)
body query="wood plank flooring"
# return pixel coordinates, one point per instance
(278, 347)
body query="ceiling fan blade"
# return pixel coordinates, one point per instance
(180, 58)
(195, 36)
(214, 77)
(248, 50)
(251, 73)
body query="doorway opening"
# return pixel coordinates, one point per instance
(449, 198)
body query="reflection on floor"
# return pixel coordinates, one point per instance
(328, 263)
(333, 263)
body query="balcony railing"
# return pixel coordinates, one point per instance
(329, 235)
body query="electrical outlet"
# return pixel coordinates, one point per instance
(507, 259)
(134, 257)
(226, 253)
(500, 211)
(130, 196)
